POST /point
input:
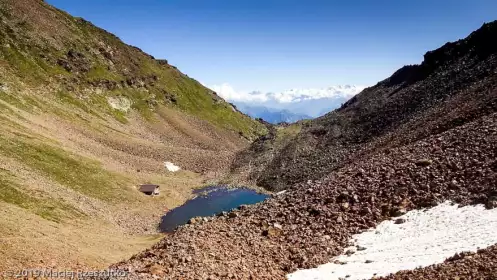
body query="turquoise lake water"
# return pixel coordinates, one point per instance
(208, 202)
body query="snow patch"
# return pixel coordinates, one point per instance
(119, 103)
(171, 166)
(4, 88)
(427, 237)
(281, 192)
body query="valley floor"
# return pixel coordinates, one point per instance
(68, 177)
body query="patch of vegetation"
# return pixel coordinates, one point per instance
(7, 123)
(69, 98)
(52, 70)
(120, 116)
(140, 101)
(80, 174)
(16, 101)
(4, 108)
(284, 134)
(100, 101)
(34, 102)
(197, 100)
(100, 72)
(53, 210)
(26, 68)
(142, 107)
(288, 131)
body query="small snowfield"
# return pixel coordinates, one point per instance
(422, 238)
(171, 166)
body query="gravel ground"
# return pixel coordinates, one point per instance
(480, 265)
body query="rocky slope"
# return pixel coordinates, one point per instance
(462, 266)
(454, 84)
(313, 221)
(425, 135)
(84, 118)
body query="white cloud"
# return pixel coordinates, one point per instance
(227, 92)
(298, 95)
(311, 102)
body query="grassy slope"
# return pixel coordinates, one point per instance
(74, 54)
(69, 161)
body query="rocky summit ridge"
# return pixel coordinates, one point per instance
(453, 85)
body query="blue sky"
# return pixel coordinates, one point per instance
(273, 45)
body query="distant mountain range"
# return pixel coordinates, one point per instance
(271, 115)
(291, 105)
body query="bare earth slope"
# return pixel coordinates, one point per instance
(425, 135)
(84, 118)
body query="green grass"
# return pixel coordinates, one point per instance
(28, 64)
(78, 173)
(139, 99)
(8, 123)
(100, 102)
(52, 70)
(16, 101)
(285, 134)
(49, 209)
(25, 67)
(143, 108)
(69, 98)
(288, 131)
(24, 56)
(100, 72)
(196, 100)
(4, 108)
(120, 116)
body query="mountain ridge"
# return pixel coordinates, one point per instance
(54, 57)
(375, 116)
(271, 115)
(84, 119)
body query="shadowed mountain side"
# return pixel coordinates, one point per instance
(455, 84)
